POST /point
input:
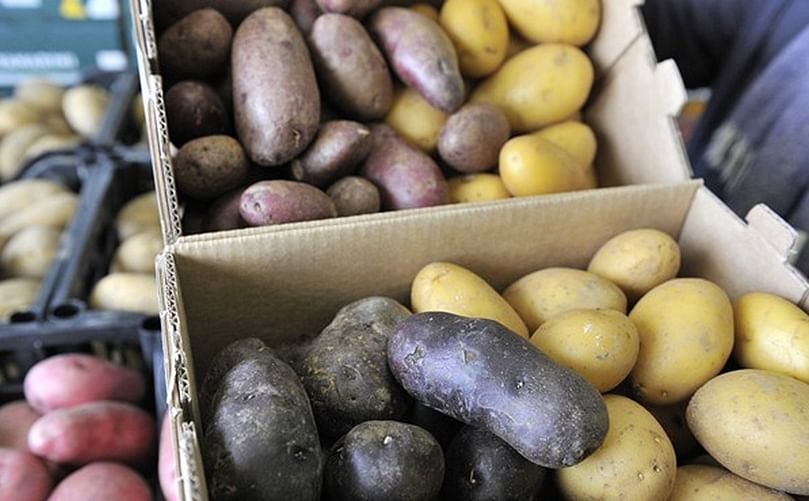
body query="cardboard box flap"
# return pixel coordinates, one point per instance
(775, 231)
(621, 24)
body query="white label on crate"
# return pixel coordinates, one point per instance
(111, 60)
(35, 61)
(102, 9)
(21, 4)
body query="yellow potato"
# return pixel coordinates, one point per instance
(539, 86)
(531, 165)
(686, 336)
(476, 188)
(428, 10)
(516, 44)
(55, 211)
(415, 119)
(15, 114)
(138, 215)
(637, 261)
(30, 252)
(599, 345)
(636, 461)
(48, 143)
(479, 31)
(17, 294)
(20, 194)
(42, 95)
(756, 424)
(454, 289)
(84, 107)
(575, 137)
(541, 295)
(133, 292)
(542, 21)
(137, 253)
(772, 334)
(709, 483)
(13, 147)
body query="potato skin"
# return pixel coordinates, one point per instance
(137, 253)
(17, 294)
(72, 379)
(276, 99)
(23, 477)
(196, 47)
(421, 54)
(482, 467)
(305, 12)
(482, 187)
(355, 76)
(479, 30)
(133, 292)
(405, 176)
(166, 465)
(353, 8)
(16, 418)
(102, 480)
(339, 147)
(384, 460)
(208, 167)
(223, 214)
(354, 195)
(169, 11)
(261, 441)
(30, 252)
(19, 194)
(416, 120)
(139, 214)
(345, 370)
(471, 139)
(750, 421)
(484, 375)
(570, 21)
(276, 202)
(194, 109)
(531, 165)
(97, 431)
(709, 483)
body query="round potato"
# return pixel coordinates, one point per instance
(754, 423)
(84, 107)
(17, 294)
(569, 21)
(138, 215)
(208, 167)
(477, 188)
(126, 292)
(415, 119)
(137, 253)
(479, 30)
(194, 109)
(637, 261)
(196, 47)
(353, 196)
(30, 252)
(14, 114)
(531, 165)
(454, 289)
(686, 336)
(541, 295)
(539, 86)
(636, 460)
(772, 334)
(575, 137)
(471, 139)
(599, 345)
(708, 483)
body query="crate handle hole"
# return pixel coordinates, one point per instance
(23, 317)
(66, 310)
(151, 324)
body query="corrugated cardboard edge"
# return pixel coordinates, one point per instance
(622, 26)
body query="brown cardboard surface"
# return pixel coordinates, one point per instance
(631, 101)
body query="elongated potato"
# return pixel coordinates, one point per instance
(454, 289)
(196, 47)
(13, 147)
(539, 296)
(481, 187)
(30, 252)
(102, 481)
(68, 380)
(20, 194)
(277, 105)
(337, 150)
(55, 212)
(569, 21)
(415, 119)
(16, 418)
(14, 114)
(137, 253)
(50, 142)
(84, 107)
(531, 165)
(421, 54)
(133, 292)
(170, 12)
(479, 30)
(97, 431)
(17, 294)
(485, 375)
(41, 94)
(575, 137)
(405, 176)
(709, 483)
(276, 202)
(355, 76)
(686, 336)
(138, 215)
(471, 139)
(23, 477)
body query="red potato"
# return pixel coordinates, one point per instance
(73, 379)
(406, 177)
(23, 477)
(336, 151)
(421, 54)
(353, 8)
(167, 12)
(98, 431)
(166, 464)
(196, 46)
(276, 202)
(354, 195)
(194, 109)
(471, 139)
(102, 482)
(305, 12)
(16, 419)
(223, 214)
(276, 101)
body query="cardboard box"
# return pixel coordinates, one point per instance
(631, 108)
(279, 282)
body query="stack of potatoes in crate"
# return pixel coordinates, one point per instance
(309, 110)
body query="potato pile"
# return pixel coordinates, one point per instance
(33, 214)
(612, 381)
(42, 117)
(131, 284)
(79, 434)
(306, 109)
